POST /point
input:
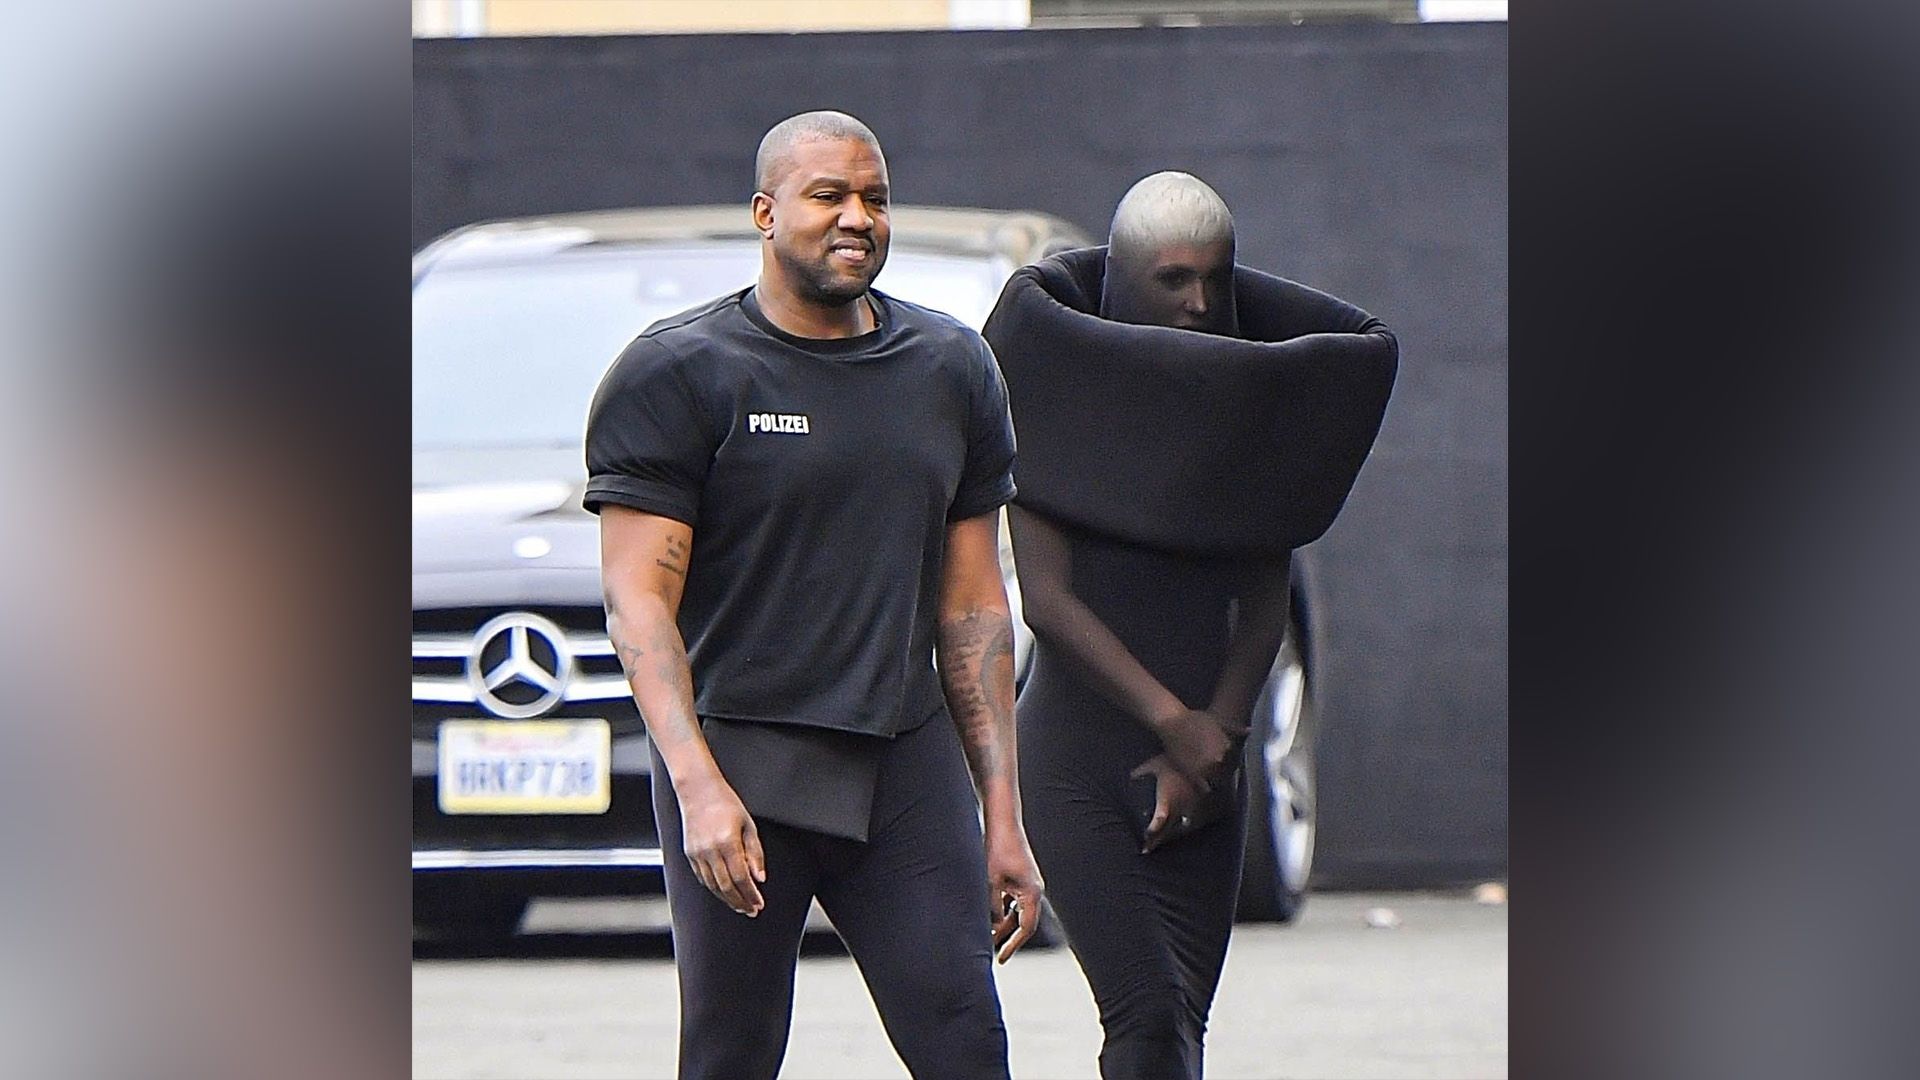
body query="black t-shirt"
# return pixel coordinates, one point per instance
(819, 477)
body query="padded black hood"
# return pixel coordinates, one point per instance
(1185, 441)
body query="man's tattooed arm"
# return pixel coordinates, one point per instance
(673, 557)
(976, 669)
(643, 571)
(650, 650)
(643, 568)
(976, 661)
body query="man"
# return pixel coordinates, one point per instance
(1153, 558)
(798, 488)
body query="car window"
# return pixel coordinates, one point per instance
(964, 287)
(507, 353)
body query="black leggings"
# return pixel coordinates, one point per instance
(910, 903)
(1150, 931)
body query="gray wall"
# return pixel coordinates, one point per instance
(1368, 160)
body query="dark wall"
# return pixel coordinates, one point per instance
(1366, 160)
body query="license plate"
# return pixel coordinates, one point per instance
(525, 767)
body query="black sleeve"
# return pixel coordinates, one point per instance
(648, 441)
(986, 483)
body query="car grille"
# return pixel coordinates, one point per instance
(443, 641)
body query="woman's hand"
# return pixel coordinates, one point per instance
(1201, 744)
(1174, 800)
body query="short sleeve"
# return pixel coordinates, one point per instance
(986, 483)
(648, 441)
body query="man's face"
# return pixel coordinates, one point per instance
(828, 217)
(1189, 286)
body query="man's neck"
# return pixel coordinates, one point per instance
(801, 318)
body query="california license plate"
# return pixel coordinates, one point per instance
(525, 767)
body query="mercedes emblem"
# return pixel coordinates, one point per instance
(519, 665)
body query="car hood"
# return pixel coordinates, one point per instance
(508, 511)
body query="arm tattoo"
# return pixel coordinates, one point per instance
(629, 653)
(675, 559)
(662, 644)
(976, 670)
(670, 665)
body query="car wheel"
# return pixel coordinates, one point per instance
(1281, 812)
(466, 913)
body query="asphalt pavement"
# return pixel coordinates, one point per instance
(588, 991)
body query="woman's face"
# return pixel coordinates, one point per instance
(1189, 286)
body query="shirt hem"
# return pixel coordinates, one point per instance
(637, 495)
(790, 721)
(986, 504)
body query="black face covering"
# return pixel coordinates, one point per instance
(1185, 441)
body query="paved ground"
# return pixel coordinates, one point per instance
(1329, 997)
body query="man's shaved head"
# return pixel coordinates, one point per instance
(1165, 210)
(770, 164)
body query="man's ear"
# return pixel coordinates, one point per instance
(763, 214)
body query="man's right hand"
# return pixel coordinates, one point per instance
(1202, 746)
(723, 844)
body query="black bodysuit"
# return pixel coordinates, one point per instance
(1150, 931)
(1180, 469)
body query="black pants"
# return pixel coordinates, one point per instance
(1150, 931)
(910, 903)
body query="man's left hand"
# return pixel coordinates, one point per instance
(1014, 890)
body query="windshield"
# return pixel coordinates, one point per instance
(509, 353)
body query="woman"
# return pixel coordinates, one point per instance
(1184, 424)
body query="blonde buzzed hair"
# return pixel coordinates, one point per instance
(1168, 208)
